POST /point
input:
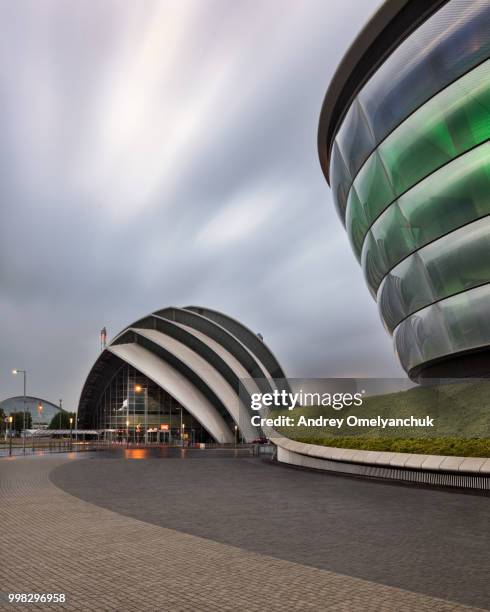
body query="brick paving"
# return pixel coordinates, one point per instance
(54, 542)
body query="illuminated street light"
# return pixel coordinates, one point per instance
(39, 412)
(11, 418)
(127, 434)
(236, 434)
(139, 389)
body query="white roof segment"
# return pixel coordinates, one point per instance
(179, 387)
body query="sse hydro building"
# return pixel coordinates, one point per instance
(179, 374)
(404, 144)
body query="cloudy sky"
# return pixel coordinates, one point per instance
(162, 153)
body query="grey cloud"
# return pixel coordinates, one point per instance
(154, 155)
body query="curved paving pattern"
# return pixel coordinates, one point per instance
(105, 560)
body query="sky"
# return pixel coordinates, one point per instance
(161, 153)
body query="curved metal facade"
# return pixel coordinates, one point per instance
(196, 356)
(409, 167)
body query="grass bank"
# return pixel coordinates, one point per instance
(461, 414)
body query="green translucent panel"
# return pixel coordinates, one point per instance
(466, 318)
(458, 323)
(450, 124)
(460, 260)
(448, 44)
(453, 196)
(354, 138)
(393, 237)
(340, 181)
(356, 222)
(422, 337)
(406, 349)
(456, 262)
(391, 240)
(415, 290)
(404, 290)
(453, 122)
(373, 188)
(372, 263)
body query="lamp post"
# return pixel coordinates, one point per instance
(39, 415)
(127, 433)
(181, 429)
(71, 424)
(236, 435)
(11, 418)
(16, 371)
(139, 389)
(39, 412)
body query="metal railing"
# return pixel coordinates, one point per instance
(43, 444)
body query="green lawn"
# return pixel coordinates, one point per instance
(461, 412)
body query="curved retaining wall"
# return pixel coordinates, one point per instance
(466, 472)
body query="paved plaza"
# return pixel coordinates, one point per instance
(215, 532)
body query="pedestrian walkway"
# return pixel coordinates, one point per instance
(54, 542)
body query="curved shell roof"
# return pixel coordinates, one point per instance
(197, 355)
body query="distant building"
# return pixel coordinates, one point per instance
(41, 410)
(404, 143)
(176, 374)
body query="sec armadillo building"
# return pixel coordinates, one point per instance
(179, 373)
(404, 143)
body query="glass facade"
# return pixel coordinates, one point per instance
(454, 196)
(455, 263)
(456, 324)
(447, 46)
(153, 414)
(410, 172)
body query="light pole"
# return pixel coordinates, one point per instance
(39, 415)
(16, 371)
(61, 410)
(236, 434)
(71, 424)
(39, 412)
(11, 418)
(127, 434)
(181, 429)
(139, 389)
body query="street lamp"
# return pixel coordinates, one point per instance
(17, 371)
(39, 415)
(236, 434)
(127, 434)
(71, 423)
(11, 418)
(139, 389)
(182, 434)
